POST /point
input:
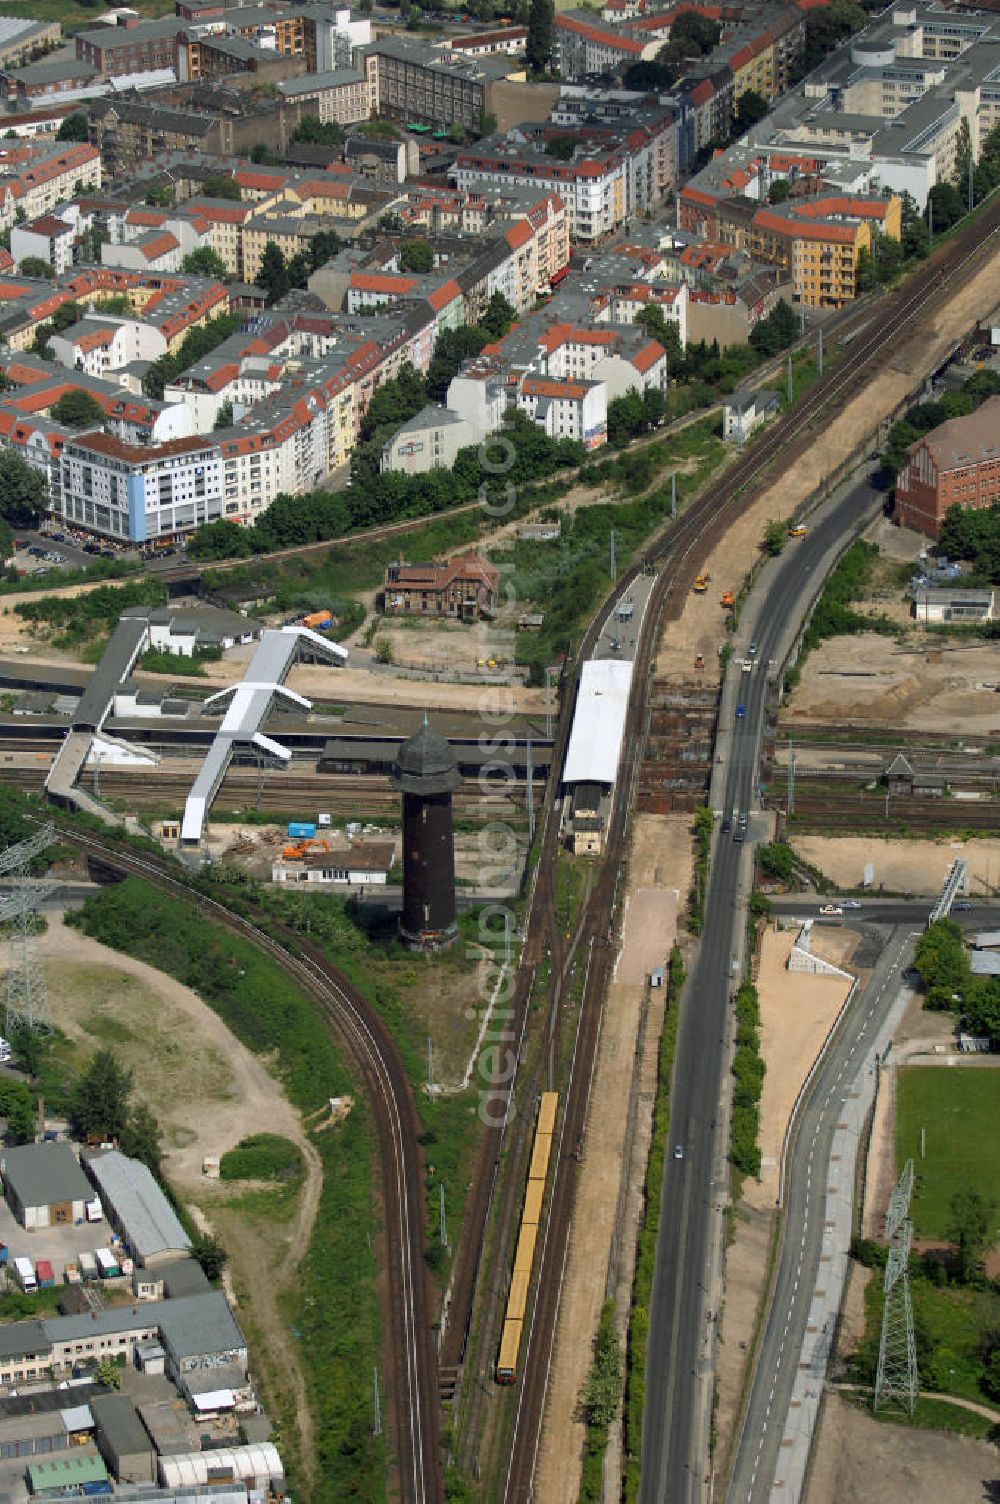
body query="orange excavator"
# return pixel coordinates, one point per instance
(296, 852)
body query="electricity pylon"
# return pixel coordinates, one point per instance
(897, 1382)
(27, 992)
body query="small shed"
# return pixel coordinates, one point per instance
(898, 776)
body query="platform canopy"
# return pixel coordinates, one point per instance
(595, 741)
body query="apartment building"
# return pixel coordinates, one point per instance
(50, 239)
(342, 96)
(956, 464)
(614, 173)
(135, 493)
(410, 80)
(584, 47)
(35, 177)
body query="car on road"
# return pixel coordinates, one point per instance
(747, 665)
(797, 532)
(726, 827)
(741, 711)
(678, 1151)
(831, 909)
(738, 834)
(962, 908)
(851, 903)
(752, 650)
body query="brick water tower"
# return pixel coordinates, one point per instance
(426, 775)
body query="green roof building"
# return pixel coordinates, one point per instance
(71, 1471)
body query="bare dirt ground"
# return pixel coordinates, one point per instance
(902, 866)
(366, 686)
(797, 1011)
(922, 685)
(660, 860)
(208, 1092)
(746, 1260)
(701, 628)
(858, 1460)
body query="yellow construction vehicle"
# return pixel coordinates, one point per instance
(701, 584)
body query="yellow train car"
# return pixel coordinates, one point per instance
(547, 1112)
(510, 1346)
(539, 1167)
(518, 1297)
(533, 1199)
(525, 1256)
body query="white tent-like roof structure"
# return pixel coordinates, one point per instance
(595, 742)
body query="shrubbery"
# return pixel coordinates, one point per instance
(749, 1069)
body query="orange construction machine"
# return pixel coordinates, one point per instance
(296, 852)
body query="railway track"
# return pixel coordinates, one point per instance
(414, 1386)
(870, 815)
(680, 552)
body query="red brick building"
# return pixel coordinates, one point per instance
(465, 588)
(956, 464)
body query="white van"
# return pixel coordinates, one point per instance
(25, 1276)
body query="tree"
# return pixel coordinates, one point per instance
(99, 1102)
(777, 860)
(416, 256)
(775, 537)
(262, 155)
(141, 1138)
(561, 147)
(323, 247)
(779, 191)
(311, 131)
(664, 331)
(538, 48)
(273, 274)
(34, 266)
(207, 1251)
(78, 409)
(17, 1105)
(220, 540)
(694, 35)
(24, 495)
(942, 965)
(602, 1391)
(204, 262)
(217, 185)
(945, 206)
(970, 1230)
(160, 197)
(30, 1047)
(498, 318)
(751, 109)
(107, 1371)
(224, 417)
(74, 128)
(453, 346)
(775, 333)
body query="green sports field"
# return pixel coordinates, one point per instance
(959, 1110)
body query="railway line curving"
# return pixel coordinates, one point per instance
(414, 1383)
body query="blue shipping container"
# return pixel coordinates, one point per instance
(301, 830)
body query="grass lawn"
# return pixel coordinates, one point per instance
(958, 1109)
(949, 1322)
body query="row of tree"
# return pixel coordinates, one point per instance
(942, 961)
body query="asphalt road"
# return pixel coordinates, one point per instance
(674, 1465)
(913, 911)
(805, 1210)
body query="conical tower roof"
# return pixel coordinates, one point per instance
(425, 764)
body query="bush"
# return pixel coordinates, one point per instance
(262, 1156)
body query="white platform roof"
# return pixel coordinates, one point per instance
(595, 742)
